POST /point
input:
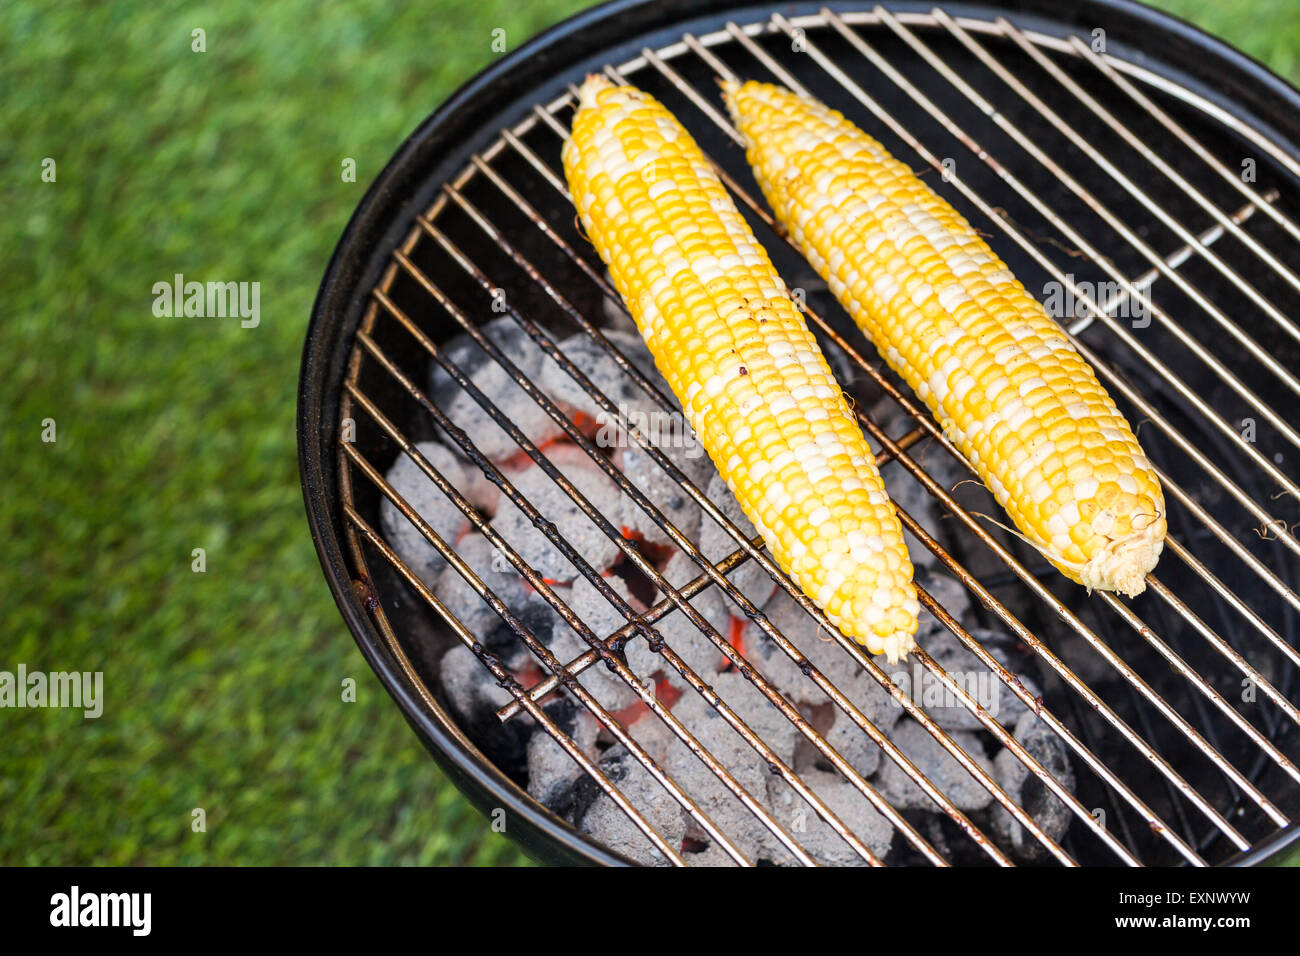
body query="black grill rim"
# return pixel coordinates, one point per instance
(1232, 80)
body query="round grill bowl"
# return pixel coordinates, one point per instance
(1232, 92)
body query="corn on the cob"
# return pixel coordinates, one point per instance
(735, 350)
(945, 312)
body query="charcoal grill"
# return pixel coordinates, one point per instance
(1147, 169)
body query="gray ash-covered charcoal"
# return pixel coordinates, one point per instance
(551, 770)
(815, 835)
(907, 491)
(950, 594)
(682, 570)
(929, 453)
(678, 631)
(909, 495)
(555, 505)
(474, 696)
(770, 660)
(605, 374)
(686, 640)
(470, 687)
(572, 793)
(974, 677)
(716, 542)
(1044, 807)
(505, 333)
(615, 312)
(759, 714)
(742, 761)
(498, 386)
(595, 610)
(970, 494)
(653, 734)
(853, 744)
(606, 822)
(823, 652)
(468, 684)
(496, 574)
(428, 501)
(1082, 659)
(939, 766)
(664, 492)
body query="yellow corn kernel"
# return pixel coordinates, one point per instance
(946, 313)
(740, 359)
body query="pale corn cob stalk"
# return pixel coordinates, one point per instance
(736, 352)
(947, 315)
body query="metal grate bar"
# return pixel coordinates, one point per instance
(1235, 658)
(1133, 141)
(1100, 208)
(1224, 592)
(1169, 123)
(1175, 259)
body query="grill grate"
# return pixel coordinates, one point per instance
(1152, 757)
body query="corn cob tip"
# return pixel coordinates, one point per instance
(1123, 565)
(729, 90)
(895, 647)
(591, 87)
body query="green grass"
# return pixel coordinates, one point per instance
(1269, 30)
(222, 688)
